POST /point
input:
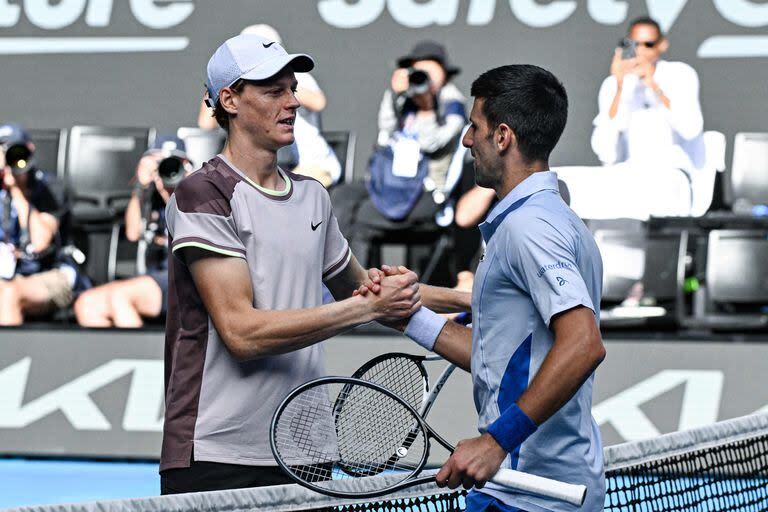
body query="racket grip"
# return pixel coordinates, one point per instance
(540, 486)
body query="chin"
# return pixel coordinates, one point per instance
(482, 179)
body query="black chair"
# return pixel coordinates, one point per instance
(50, 149)
(343, 144)
(101, 164)
(749, 171)
(202, 145)
(632, 255)
(100, 171)
(736, 282)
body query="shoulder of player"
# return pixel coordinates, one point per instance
(207, 190)
(532, 221)
(299, 180)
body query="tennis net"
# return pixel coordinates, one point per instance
(720, 467)
(716, 468)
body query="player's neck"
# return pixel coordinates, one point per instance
(518, 172)
(258, 164)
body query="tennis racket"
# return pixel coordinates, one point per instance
(329, 425)
(406, 376)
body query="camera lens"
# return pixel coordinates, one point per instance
(418, 82)
(18, 158)
(171, 170)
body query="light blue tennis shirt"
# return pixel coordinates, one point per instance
(540, 260)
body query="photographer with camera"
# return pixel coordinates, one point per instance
(37, 275)
(420, 121)
(124, 303)
(649, 109)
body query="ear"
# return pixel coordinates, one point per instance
(504, 138)
(229, 100)
(663, 44)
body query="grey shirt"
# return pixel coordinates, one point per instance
(291, 241)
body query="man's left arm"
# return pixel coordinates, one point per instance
(577, 351)
(41, 225)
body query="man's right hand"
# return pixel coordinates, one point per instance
(398, 297)
(621, 67)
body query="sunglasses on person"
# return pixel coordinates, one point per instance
(626, 43)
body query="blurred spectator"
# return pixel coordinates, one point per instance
(124, 303)
(473, 206)
(37, 274)
(420, 120)
(649, 107)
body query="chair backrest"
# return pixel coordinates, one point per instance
(50, 149)
(101, 163)
(343, 144)
(636, 256)
(736, 270)
(623, 254)
(749, 172)
(202, 145)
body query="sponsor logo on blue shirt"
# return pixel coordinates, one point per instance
(560, 264)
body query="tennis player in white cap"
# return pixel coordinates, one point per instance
(252, 244)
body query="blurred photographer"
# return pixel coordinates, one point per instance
(420, 121)
(124, 303)
(649, 110)
(37, 275)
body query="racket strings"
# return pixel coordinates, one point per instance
(331, 432)
(401, 375)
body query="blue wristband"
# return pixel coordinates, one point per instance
(512, 428)
(424, 327)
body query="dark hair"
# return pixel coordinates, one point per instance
(221, 115)
(528, 99)
(645, 20)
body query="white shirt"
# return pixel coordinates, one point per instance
(313, 149)
(644, 130)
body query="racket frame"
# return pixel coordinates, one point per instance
(348, 382)
(514, 480)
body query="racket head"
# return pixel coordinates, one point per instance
(316, 441)
(403, 374)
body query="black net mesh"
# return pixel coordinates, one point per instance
(732, 476)
(447, 502)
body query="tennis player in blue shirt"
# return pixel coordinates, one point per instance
(535, 342)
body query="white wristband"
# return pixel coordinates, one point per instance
(425, 327)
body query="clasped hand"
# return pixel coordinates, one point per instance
(394, 294)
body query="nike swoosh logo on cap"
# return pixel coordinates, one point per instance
(268, 45)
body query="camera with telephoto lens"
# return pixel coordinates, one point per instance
(19, 158)
(418, 82)
(171, 171)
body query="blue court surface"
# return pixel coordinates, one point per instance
(38, 482)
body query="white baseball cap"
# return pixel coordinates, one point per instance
(250, 57)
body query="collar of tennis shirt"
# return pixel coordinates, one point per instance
(536, 182)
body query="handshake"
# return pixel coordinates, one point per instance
(391, 294)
